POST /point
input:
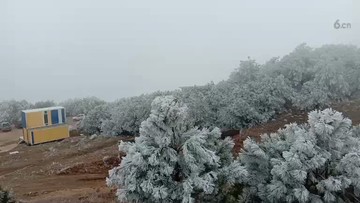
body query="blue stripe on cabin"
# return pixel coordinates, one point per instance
(63, 115)
(54, 117)
(32, 137)
(23, 119)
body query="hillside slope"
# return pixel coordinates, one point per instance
(350, 109)
(74, 170)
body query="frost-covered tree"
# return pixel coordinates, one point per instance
(127, 114)
(4, 115)
(328, 84)
(297, 67)
(172, 161)
(315, 162)
(318, 76)
(343, 63)
(130, 112)
(95, 118)
(202, 106)
(77, 106)
(10, 111)
(252, 100)
(247, 72)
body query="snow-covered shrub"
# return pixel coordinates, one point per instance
(10, 111)
(247, 72)
(318, 76)
(297, 67)
(343, 61)
(108, 127)
(312, 95)
(6, 197)
(77, 106)
(202, 107)
(130, 112)
(127, 114)
(95, 118)
(173, 161)
(252, 99)
(315, 162)
(329, 84)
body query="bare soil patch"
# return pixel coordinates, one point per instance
(9, 140)
(71, 170)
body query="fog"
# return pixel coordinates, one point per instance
(111, 49)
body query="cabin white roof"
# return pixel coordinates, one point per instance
(43, 109)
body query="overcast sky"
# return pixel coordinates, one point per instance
(59, 49)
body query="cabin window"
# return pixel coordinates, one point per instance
(46, 120)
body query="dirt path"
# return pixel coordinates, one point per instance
(72, 170)
(9, 140)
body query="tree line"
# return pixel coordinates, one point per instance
(307, 78)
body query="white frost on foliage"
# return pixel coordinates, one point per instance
(126, 115)
(316, 162)
(10, 111)
(171, 161)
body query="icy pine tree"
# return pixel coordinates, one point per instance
(315, 162)
(172, 161)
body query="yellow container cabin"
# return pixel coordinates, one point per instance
(42, 117)
(44, 125)
(40, 135)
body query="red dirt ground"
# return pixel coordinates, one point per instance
(350, 109)
(74, 170)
